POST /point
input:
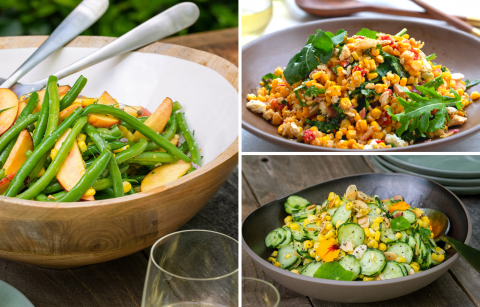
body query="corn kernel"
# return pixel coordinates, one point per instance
(440, 258)
(251, 97)
(41, 172)
(53, 153)
(127, 186)
(474, 95)
(328, 218)
(368, 233)
(81, 137)
(272, 260)
(307, 244)
(90, 192)
(328, 226)
(349, 206)
(382, 247)
(274, 254)
(376, 113)
(375, 226)
(415, 266)
(345, 103)
(288, 256)
(82, 146)
(288, 219)
(434, 257)
(368, 278)
(372, 75)
(439, 250)
(374, 244)
(400, 259)
(398, 235)
(295, 271)
(377, 235)
(378, 219)
(329, 234)
(321, 238)
(294, 226)
(277, 264)
(351, 134)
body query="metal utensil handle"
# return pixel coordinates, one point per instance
(164, 24)
(80, 19)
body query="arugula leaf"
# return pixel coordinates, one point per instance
(469, 84)
(367, 33)
(300, 101)
(335, 69)
(395, 62)
(300, 66)
(443, 69)
(424, 232)
(337, 39)
(431, 57)
(384, 68)
(400, 223)
(417, 113)
(324, 44)
(265, 79)
(368, 92)
(310, 39)
(314, 91)
(341, 114)
(3, 110)
(326, 127)
(333, 271)
(435, 83)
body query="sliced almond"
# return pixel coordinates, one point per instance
(352, 195)
(363, 221)
(390, 256)
(411, 272)
(364, 196)
(347, 246)
(386, 221)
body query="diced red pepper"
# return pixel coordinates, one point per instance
(380, 141)
(415, 52)
(361, 37)
(384, 119)
(362, 71)
(280, 106)
(433, 112)
(389, 91)
(344, 63)
(308, 136)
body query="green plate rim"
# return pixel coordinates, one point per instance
(19, 296)
(430, 171)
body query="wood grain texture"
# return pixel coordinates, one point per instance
(266, 178)
(75, 234)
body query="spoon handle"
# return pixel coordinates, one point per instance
(467, 252)
(80, 19)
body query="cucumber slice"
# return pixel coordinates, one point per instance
(408, 267)
(409, 215)
(386, 234)
(373, 262)
(351, 231)
(311, 268)
(288, 238)
(331, 211)
(301, 216)
(404, 236)
(404, 269)
(311, 231)
(392, 270)
(298, 234)
(295, 204)
(401, 249)
(431, 243)
(372, 214)
(341, 214)
(302, 251)
(287, 263)
(275, 237)
(427, 263)
(351, 264)
(411, 241)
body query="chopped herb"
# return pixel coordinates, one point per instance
(431, 57)
(469, 84)
(367, 33)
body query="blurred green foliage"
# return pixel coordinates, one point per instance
(41, 17)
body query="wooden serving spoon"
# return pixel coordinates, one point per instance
(440, 227)
(338, 8)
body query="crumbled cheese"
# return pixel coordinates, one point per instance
(345, 55)
(322, 67)
(294, 129)
(370, 86)
(452, 110)
(323, 108)
(457, 76)
(394, 139)
(372, 145)
(256, 106)
(334, 99)
(268, 114)
(360, 251)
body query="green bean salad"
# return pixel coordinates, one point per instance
(59, 146)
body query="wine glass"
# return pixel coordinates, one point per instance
(259, 293)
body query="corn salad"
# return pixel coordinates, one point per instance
(357, 98)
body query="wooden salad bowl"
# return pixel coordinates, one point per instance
(66, 235)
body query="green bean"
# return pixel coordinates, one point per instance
(2, 173)
(192, 144)
(140, 119)
(73, 93)
(108, 135)
(137, 178)
(184, 147)
(16, 129)
(109, 191)
(102, 184)
(171, 129)
(142, 128)
(152, 158)
(176, 106)
(41, 197)
(93, 149)
(38, 153)
(39, 132)
(132, 151)
(52, 188)
(57, 162)
(103, 196)
(89, 178)
(53, 105)
(6, 152)
(31, 104)
(113, 168)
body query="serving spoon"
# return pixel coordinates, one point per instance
(440, 227)
(168, 22)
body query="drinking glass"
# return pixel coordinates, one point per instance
(256, 292)
(256, 15)
(192, 268)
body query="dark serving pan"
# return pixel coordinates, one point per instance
(416, 191)
(455, 49)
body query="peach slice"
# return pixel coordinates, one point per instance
(68, 110)
(62, 90)
(72, 168)
(165, 174)
(17, 156)
(134, 111)
(158, 120)
(145, 112)
(102, 120)
(107, 99)
(9, 103)
(21, 105)
(5, 182)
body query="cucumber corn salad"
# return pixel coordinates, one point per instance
(368, 91)
(57, 145)
(365, 237)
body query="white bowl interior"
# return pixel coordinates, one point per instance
(210, 103)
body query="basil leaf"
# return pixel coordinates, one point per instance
(300, 66)
(368, 92)
(310, 39)
(469, 84)
(367, 33)
(324, 44)
(333, 271)
(400, 223)
(431, 57)
(314, 91)
(384, 68)
(337, 39)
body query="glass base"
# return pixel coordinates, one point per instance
(194, 304)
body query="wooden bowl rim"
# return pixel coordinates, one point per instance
(292, 145)
(320, 281)
(227, 154)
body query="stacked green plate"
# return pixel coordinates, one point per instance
(459, 174)
(9, 297)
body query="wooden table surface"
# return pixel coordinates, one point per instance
(120, 282)
(266, 178)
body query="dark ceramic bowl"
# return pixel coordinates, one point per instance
(455, 49)
(417, 191)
